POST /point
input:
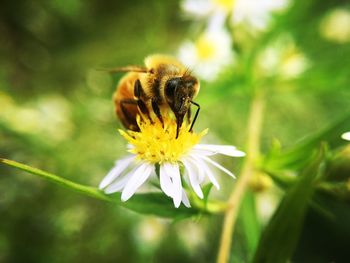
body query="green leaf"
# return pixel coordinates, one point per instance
(156, 204)
(206, 191)
(281, 234)
(338, 190)
(327, 237)
(151, 203)
(281, 178)
(301, 153)
(250, 223)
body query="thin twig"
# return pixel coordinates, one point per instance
(253, 148)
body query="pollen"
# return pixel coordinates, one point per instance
(156, 143)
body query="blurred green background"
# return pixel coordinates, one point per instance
(56, 113)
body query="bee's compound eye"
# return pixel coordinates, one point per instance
(170, 87)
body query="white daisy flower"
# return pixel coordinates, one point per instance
(209, 54)
(253, 13)
(204, 8)
(256, 13)
(346, 136)
(155, 145)
(282, 59)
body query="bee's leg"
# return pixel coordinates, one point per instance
(124, 110)
(138, 92)
(156, 110)
(131, 120)
(179, 120)
(143, 108)
(189, 115)
(196, 114)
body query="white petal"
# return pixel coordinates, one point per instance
(200, 170)
(222, 149)
(119, 167)
(346, 136)
(217, 21)
(187, 54)
(218, 166)
(197, 8)
(130, 146)
(207, 170)
(193, 177)
(256, 13)
(202, 152)
(185, 200)
(165, 180)
(140, 175)
(120, 183)
(174, 172)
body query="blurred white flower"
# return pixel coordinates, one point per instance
(252, 13)
(49, 117)
(150, 231)
(55, 117)
(155, 144)
(192, 236)
(204, 8)
(256, 13)
(209, 54)
(336, 26)
(282, 59)
(346, 136)
(71, 220)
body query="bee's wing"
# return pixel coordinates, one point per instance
(126, 69)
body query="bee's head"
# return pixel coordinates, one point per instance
(179, 92)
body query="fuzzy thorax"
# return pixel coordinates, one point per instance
(157, 144)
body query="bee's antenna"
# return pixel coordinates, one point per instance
(196, 114)
(126, 69)
(188, 72)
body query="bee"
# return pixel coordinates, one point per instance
(163, 85)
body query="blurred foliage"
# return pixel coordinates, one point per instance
(56, 113)
(283, 231)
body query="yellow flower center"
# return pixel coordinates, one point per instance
(206, 48)
(156, 144)
(226, 5)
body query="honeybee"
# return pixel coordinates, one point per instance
(163, 85)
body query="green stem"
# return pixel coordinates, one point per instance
(235, 199)
(87, 190)
(212, 207)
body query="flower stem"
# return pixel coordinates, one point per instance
(253, 149)
(83, 189)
